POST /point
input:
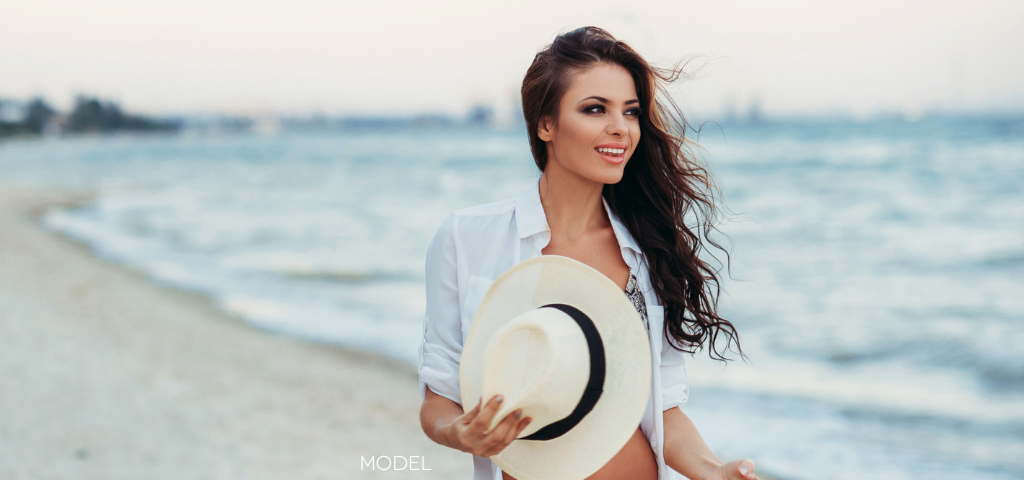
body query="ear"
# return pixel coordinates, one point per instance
(545, 129)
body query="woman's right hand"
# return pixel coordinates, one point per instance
(466, 432)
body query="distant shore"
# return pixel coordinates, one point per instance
(106, 375)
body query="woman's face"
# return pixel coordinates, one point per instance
(598, 124)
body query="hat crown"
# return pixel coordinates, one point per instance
(540, 362)
(612, 405)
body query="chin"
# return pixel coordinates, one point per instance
(607, 176)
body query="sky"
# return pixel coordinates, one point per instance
(396, 57)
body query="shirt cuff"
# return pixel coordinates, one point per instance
(675, 390)
(442, 378)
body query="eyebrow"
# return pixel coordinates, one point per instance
(605, 100)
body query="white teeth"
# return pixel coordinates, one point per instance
(617, 151)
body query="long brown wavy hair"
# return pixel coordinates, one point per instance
(663, 184)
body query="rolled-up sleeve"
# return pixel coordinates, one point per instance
(441, 346)
(674, 387)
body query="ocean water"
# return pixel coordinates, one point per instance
(877, 269)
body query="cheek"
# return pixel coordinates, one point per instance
(579, 136)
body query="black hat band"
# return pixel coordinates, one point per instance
(595, 385)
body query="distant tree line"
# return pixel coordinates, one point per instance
(89, 115)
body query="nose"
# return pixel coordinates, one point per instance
(617, 125)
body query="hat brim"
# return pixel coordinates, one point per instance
(606, 429)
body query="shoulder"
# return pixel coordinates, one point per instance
(499, 207)
(475, 225)
(480, 239)
(456, 219)
(483, 220)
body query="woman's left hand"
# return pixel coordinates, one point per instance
(734, 470)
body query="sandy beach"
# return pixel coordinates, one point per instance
(108, 376)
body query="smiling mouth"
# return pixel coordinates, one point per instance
(614, 156)
(614, 152)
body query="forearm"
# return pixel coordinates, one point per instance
(685, 450)
(436, 413)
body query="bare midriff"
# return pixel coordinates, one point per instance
(634, 461)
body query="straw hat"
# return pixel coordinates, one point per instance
(560, 340)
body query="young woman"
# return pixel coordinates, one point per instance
(615, 186)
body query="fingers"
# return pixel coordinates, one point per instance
(506, 432)
(746, 469)
(500, 431)
(483, 417)
(513, 433)
(471, 434)
(738, 470)
(465, 419)
(522, 426)
(496, 437)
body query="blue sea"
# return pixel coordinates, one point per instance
(877, 267)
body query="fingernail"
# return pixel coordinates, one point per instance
(498, 399)
(517, 414)
(528, 420)
(743, 469)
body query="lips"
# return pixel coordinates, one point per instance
(614, 152)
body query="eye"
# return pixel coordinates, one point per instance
(593, 109)
(634, 112)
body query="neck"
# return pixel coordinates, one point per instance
(572, 204)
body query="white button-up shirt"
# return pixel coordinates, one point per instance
(471, 249)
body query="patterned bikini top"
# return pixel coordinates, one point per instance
(634, 294)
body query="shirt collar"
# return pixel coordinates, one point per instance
(531, 219)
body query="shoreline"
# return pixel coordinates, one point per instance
(116, 376)
(109, 375)
(361, 356)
